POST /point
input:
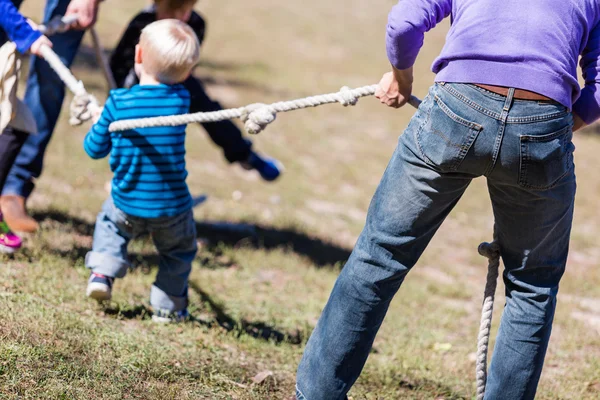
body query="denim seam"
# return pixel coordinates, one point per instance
(471, 103)
(473, 127)
(299, 392)
(547, 137)
(523, 171)
(488, 93)
(536, 118)
(418, 138)
(553, 185)
(496, 149)
(474, 131)
(455, 117)
(465, 149)
(511, 120)
(508, 103)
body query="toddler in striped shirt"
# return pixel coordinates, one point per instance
(149, 191)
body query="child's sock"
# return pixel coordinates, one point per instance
(100, 287)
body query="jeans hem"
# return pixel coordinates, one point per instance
(299, 394)
(24, 189)
(166, 302)
(106, 264)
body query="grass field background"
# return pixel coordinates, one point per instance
(270, 253)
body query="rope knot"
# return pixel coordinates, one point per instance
(82, 108)
(489, 250)
(257, 116)
(345, 97)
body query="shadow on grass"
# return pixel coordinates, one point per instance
(440, 390)
(257, 330)
(319, 251)
(52, 217)
(135, 312)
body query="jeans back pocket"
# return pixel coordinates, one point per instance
(445, 139)
(545, 159)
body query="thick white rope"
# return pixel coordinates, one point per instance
(257, 117)
(60, 24)
(84, 105)
(492, 252)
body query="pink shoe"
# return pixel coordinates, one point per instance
(9, 242)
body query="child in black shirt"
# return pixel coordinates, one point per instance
(224, 134)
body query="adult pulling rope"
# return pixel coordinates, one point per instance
(256, 118)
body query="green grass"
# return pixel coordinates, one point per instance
(256, 295)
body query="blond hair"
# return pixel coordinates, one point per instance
(170, 49)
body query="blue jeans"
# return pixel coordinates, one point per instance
(174, 238)
(459, 133)
(44, 95)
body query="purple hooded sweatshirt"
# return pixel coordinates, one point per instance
(526, 44)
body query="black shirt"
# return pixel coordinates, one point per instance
(123, 58)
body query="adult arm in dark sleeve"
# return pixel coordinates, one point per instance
(123, 58)
(224, 134)
(198, 25)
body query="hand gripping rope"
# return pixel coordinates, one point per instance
(256, 118)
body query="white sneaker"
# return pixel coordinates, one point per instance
(167, 317)
(99, 287)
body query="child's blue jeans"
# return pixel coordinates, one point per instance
(174, 238)
(459, 133)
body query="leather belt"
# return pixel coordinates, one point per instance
(519, 93)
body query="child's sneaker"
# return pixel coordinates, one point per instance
(100, 287)
(9, 242)
(268, 168)
(166, 316)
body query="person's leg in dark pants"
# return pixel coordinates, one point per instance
(11, 141)
(226, 135)
(44, 96)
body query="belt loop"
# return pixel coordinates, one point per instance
(509, 99)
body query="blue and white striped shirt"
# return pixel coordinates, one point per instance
(148, 163)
